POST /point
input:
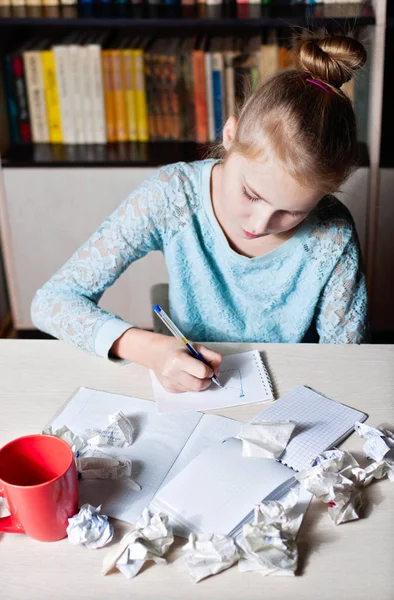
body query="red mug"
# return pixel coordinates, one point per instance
(39, 483)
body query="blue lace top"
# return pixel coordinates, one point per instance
(314, 279)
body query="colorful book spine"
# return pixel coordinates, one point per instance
(209, 96)
(36, 96)
(218, 92)
(130, 94)
(63, 76)
(11, 101)
(119, 96)
(98, 107)
(109, 96)
(200, 96)
(76, 85)
(140, 95)
(148, 63)
(52, 96)
(86, 79)
(21, 98)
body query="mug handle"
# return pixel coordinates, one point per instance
(9, 524)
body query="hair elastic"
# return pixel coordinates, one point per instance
(320, 85)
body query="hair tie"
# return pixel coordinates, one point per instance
(320, 85)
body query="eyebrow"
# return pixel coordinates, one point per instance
(304, 212)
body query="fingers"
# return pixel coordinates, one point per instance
(185, 383)
(214, 358)
(183, 373)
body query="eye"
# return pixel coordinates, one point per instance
(248, 196)
(296, 214)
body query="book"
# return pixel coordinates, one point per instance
(17, 96)
(172, 71)
(76, 75)
(230, 52)
(130, 92)
(244, 380)
(117, 74)
(86, 78)
(163, 445)
(36, 93)
(216, 491)
(188, 126)
(108, 96)
(64, 79)
(269, 55)
(52, 96)
(94, 45)
(217, 63)
(138, 51)
(200, 98)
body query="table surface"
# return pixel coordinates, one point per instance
(353, 560)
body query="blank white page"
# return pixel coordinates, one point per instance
(321, 424)
(244, 379)
(210, 429)
(216, 491)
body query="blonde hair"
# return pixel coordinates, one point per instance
(310, 130)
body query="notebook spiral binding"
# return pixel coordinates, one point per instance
(264, 375)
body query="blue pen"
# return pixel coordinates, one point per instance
(175, 331)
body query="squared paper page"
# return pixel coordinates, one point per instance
(321, 423)
(244, 380)
(158, 441)
(216, 490)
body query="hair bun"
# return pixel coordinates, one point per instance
(332, 59)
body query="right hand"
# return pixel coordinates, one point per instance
(178, 371)
(174, 367)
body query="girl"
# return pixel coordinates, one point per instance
(257, 248)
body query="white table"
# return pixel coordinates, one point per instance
(354, 560)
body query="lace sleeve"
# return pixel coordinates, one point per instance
(342, 311)
(66, 306)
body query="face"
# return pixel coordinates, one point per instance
(255, 199)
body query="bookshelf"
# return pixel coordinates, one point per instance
(91, 168)
(200, 15)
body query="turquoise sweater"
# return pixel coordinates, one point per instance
(312, 281)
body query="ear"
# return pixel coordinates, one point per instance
(229, 131)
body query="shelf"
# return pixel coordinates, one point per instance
(117, 154)
(202, 16)
(129, 154)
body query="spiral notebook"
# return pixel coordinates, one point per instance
(244, 380)
(216, 492)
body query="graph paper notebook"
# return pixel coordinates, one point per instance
(321, 424)
(217, 491)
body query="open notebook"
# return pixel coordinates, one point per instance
(244, 379)
(216, 492)
(163, 445)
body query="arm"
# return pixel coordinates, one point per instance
(66, 306)
(342, 311)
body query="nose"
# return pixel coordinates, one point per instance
(260, 222)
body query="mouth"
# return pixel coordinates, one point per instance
(248, 235)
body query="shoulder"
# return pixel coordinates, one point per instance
(180, 177)
(332, 224)
(170, 196)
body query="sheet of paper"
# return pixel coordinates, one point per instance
(244, 380)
